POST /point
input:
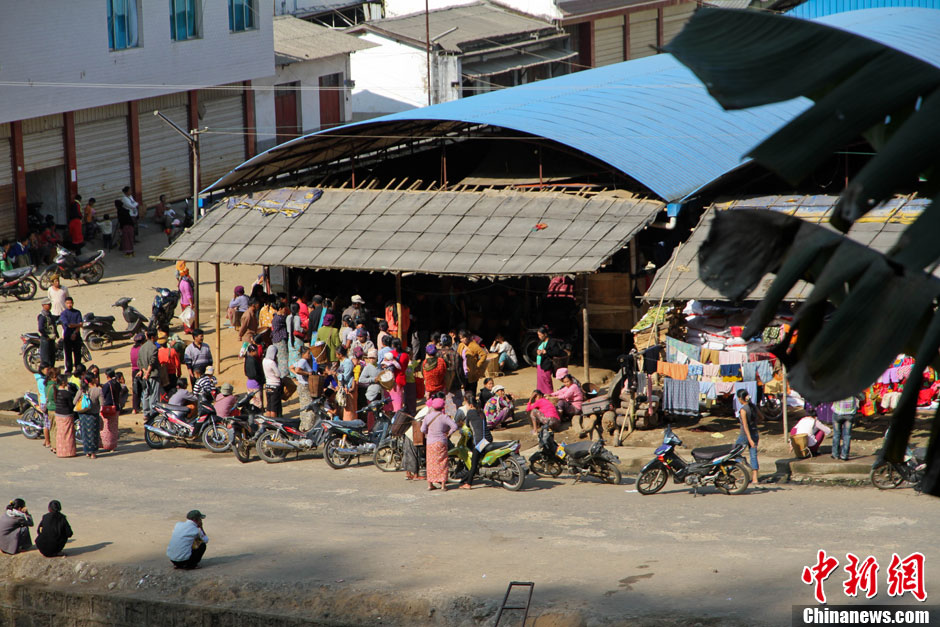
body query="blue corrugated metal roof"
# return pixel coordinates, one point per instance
(648, 118)
(813, 9)
(913, 31)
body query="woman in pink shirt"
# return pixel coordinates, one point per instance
(569, 395)
(542, 412)
(438, 427)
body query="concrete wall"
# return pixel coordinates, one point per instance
(308, 100)
(67, 42)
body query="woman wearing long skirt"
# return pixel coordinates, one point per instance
(126, 222)
(544, 365)
(53, 531)
(437, 427)
(110, 393)
(64, 418)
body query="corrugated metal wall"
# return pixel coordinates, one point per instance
(223, 147)
(643, 33)
(43, 143)
(102, 153)
(164, 155)
(674, 18)
(7, 197)
(813, 9)
(608, 41)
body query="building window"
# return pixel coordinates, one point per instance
(123, 25)
(241, 15)
(185, 21)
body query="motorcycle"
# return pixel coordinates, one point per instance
(168, 422)
(98, 331)
(67, 265)
(501, 461)
(18, 283)
(30, 351)
(346, 439)
(580, 459)
(887, 475)
(164, 304)
(33, 420)
(721, 466)
(390, 454)
(280, 436)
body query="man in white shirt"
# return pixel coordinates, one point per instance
(188, 542)
(507, 354)
(131, 205)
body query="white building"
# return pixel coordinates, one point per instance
(474, 48)
(81, 82)
(311, 87)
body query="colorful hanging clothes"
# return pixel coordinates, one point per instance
(730, 370)
(711, 370)
(709, 356)
(708, 389)
(732, 357)
(681, 397)
(674, 371)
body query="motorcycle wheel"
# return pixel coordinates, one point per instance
(386, 458)
(331, 455)
(155, 440)
(86, 354)
(530, 346)
(45, 279)
(270, 455)
(885, 476)
(216, 438)
(242, 448)
(735, 482)
(26, 289)
(456, 470)
(651, 481)
(31, 359)
(516, 474)
(95, 342)
(543, 467)
(30, 432)
(94, 274)
(609, 473)
(771, 406)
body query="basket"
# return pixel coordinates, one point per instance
(387, 379)
(401, 422)
(319, 353)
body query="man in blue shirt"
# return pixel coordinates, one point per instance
(71, 321)
(188, 542)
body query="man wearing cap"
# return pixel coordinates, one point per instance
(225, 401)
(197, 354)
(48, 334)
(71, 321)
(188, 542)
(356, 308)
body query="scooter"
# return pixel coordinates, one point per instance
(168, 422)
(88, 267)
(98, 331)
(721, 466)
(33, 420)
(164, 304)
(346, 439)
(30, 351)
(580, 459)
(280, 436)
(501, 461)
(390, 454)
(887, 475)
(18, 283)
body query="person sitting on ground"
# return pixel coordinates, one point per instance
(14, 528)
(570, 396)
(183, 397)
(814, 430)
(237, 306)
(498, 410)
(542, 412)
(205, 382)
(225, 401)
(53, 531)
(188, 542)
(507, 354)
(487, 392)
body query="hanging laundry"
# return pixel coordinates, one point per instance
(709, 356)
(681, 397)
(724, 387)
(732, 357)
(708, 389)
(749, 371)
(674, 346)
(711, 370)
(674, 371)
(650, 357)
(765, 370)
(695, 370)
(730, 370)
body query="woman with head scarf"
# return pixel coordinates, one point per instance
(237, 306)
(329, 335)
(437, 427)
(272, 382)
(400, 359)
(187, 289)
(53, 531)
(14, 528)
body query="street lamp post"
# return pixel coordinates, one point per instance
(193, 138)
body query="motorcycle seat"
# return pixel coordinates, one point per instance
(293, 423)
(708, 453)
(102, 318)
(351, 424)
(493, 446)
(9, 275)
(578, 449)
(173, 408)
(87, 257)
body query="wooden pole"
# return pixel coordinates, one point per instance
(786, 428)
(586, 347)
(218, 319)
(398, 306)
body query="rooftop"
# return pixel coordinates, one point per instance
(296, 40)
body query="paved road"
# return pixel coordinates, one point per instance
(594, 546)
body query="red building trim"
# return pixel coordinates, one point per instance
(71, 160)
(19, 176)
(193, 119)
(133, 142)
(249, 109)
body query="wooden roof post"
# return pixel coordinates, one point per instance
(398, 333)
(586, 332)
(218, 319)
